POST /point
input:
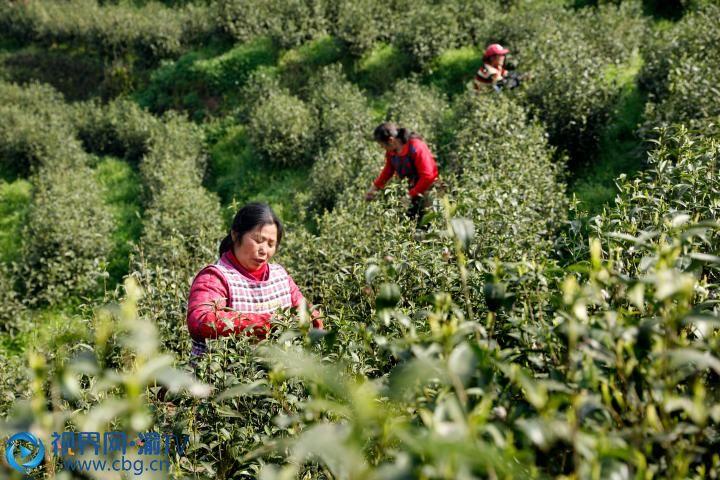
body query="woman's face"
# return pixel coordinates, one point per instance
(256, 246)
(391, 145)
(497, 61)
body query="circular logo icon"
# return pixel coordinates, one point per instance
(28, 447)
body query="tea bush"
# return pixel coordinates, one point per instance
(575, 100)
(152, 31)
(681, 71)
(419, 108)
(282, 129)
(197, 80)
(299, 64)
(664, 47)
(380, 67)
(426, 29)
(561, 358)
(342, 109)
(513, 191)
(360, 24)
(67, 236)
(287, 23)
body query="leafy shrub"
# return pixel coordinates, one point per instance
(282, 129)
(360, 24)
(694, 35)
(287, 23)
(573, 102)
(341, 107)
(681, 71)
(174, 84)
(298, 64)
(426, 29)
(335, 169)
(381, 66)
(455, 68)
(11, 307)
(34, 129)
(512, 190)
(152, 31)
(120, 129)
(67, 238)
(422, 109)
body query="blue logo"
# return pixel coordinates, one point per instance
(30, 457)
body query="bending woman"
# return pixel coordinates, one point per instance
(408, 156)
(242, 290)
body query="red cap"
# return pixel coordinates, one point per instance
(495, 49)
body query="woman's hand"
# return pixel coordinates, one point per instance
(370, 195)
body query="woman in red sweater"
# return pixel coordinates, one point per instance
(242, 290)
(406, 155)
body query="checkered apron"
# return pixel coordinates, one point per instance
(251, 296)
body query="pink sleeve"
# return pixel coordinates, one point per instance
(207, 316)
(386, 173)
(297, 297)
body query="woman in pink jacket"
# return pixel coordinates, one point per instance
(242, 290)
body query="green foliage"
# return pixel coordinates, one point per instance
(682, 71)
(152, 31)
(511, 190)
(121, 189)
(344, 131)
(426, 29)
(341, 108)
(298, 64)
(455, 68)
(360, 24)
(282, 129)
(237, 177)
(287, 23)
(11, 306)
(15, 199)
(77, 76)
(380, 67)
(620, 150)
(67, 238)
(419, 108)
(202, 83)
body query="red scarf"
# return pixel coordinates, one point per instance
(260, 275)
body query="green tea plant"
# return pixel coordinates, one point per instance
(419, 108)
(282, 129)
(681, 72)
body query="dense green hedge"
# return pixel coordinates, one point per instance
(283, 129)
(203, 84)
(66, 239)
(419, 108)
(169, 153)
(151, 31)
(287, 23)
(681, 71)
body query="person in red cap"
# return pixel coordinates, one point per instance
(493, 70)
